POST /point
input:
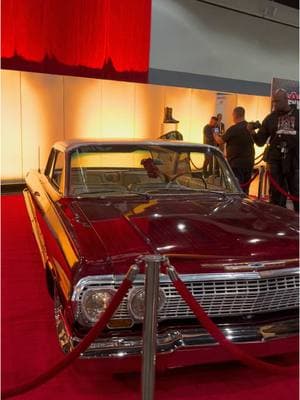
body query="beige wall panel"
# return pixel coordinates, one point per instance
(42, 116)
(203, 105)
(11, 140)
(117, 109)
(148, 110)
(39, 109)
(263, 107)
(250, 104)
(230, 103)
(180, 100)
(257, 107)
(82, 107)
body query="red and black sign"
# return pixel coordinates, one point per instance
(292, 88)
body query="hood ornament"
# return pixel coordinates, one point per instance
(256, 265)
(252, 266)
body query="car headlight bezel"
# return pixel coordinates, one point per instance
(104, 298)
(136, 299)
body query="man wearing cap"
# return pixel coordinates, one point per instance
(281, 129)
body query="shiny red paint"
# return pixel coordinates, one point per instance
(28, 319)
(104, 236)
(220, 230)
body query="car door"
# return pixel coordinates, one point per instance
(46, 191)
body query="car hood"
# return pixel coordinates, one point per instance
(217, 229)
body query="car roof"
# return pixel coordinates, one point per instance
(71, 144)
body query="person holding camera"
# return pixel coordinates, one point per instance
(239, 147)
(208, 136)
(281, 130)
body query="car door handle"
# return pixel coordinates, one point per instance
(37, 194)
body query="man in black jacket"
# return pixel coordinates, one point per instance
(239, 147)
(281, 129)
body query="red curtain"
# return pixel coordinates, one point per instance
(90, 35)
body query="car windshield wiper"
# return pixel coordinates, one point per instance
(142, 194)
(218, 192)
(193, 190)
(108, 191)
(101, 192)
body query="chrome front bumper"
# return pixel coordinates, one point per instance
(172, 339)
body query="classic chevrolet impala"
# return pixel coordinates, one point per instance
(100, 205)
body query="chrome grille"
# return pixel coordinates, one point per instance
(240, 294)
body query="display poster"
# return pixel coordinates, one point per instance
(292, 88)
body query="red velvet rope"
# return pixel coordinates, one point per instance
(218, 335)
(243, 185)
(80, 348)
(279, 189)
(202, 317)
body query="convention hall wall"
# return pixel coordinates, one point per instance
(39, 109)
(198, 43)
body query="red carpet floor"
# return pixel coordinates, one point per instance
(29, 343)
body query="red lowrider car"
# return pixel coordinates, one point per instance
(100, 205)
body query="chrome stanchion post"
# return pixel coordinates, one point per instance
(260, 181)
(152, 268)
(266, 190)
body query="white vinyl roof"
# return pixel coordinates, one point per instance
(68, 145)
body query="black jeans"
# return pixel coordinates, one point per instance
(243, 175)
(287, 180)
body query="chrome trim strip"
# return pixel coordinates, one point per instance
(172, 339)
(273, 273)
(35, 226)
(253, 265)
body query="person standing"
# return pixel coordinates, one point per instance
(220, 128)
(281, 129)
(208, 137)
(220, 124)
(239, 147)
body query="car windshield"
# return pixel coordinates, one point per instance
(100, 170)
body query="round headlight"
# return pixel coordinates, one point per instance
(95, 302)
(136, 302)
